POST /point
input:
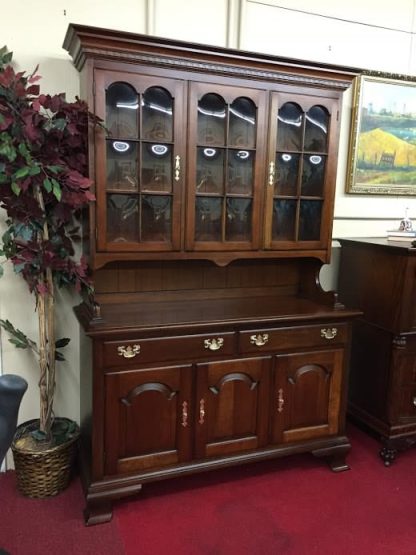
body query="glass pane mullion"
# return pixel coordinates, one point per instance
(140, 165)
(141, 218)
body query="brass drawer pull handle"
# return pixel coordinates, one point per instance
(129, 351)
(184, 422)
(280, 401)
(177, 168)
(214, 344)
(271, 174)
(414, 401)
(201, 411)
(260, 339)
(329, 333)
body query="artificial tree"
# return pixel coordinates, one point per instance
(43, 187)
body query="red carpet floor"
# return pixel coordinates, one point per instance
(51, 526)
(293, 506)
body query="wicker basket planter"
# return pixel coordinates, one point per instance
(47, 472)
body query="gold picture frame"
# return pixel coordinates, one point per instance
(382, 151)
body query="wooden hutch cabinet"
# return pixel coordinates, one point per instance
(379, 276)
(213, 343)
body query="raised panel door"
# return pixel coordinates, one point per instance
(227, 128)
(232, 406)
(139, 161)
(306, 395)
(147, 419)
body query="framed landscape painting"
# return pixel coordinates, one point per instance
(382, 155)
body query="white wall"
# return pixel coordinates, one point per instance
(363, 33)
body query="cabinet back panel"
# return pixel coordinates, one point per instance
(197, 277)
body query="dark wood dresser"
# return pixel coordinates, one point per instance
(379, 277)
(213, 343)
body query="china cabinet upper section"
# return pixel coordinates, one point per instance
(207, 152)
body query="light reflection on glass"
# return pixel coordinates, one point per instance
(210, 152)
(216, 114)
(121, 146)
(128, 105)
(159, 150)
(315, 159)
(243, 154)
(242, 116)
(157, 108)
(317, 123)
(294, 122)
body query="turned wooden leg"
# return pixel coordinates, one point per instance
(388, 454)
(98, 513)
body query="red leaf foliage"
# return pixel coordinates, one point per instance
(44, 158)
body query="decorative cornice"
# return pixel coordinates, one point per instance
(202, 67)
(85, 42)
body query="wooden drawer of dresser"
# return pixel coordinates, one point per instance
(161, 349)
(278, 339)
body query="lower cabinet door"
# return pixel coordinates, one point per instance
(306, 395)
(147, 418)
(232, 404)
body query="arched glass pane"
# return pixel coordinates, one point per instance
(122, 114)
(211, 120)
(242, 123)
(289, 127)
(157, 115)
(316, 129)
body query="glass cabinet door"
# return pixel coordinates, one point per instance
(298, 171)
(138, 162)
(227, 128)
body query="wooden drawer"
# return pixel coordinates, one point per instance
(282, 339)
(161, 349)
